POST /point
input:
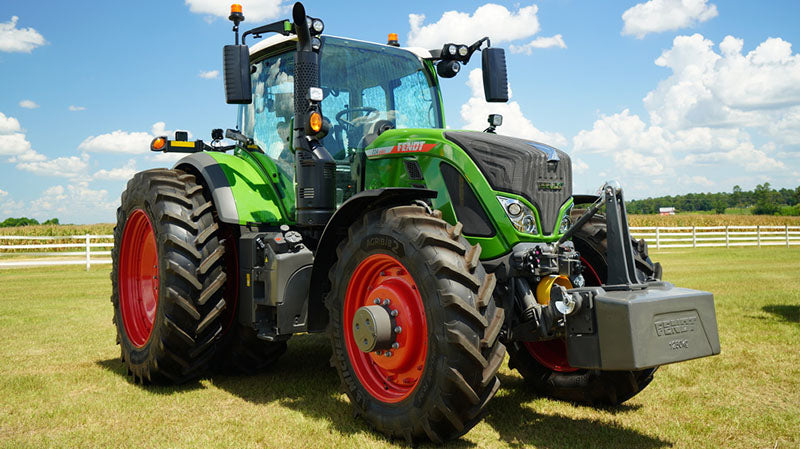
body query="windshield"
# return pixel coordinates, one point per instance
(366, 87)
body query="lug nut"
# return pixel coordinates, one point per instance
(394, 313)
(386, 302)
(379, 352)
(388, 353)
(395, 345)
(377, 301)
(398, 329)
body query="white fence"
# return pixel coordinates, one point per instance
(31, 254)
(727, 236)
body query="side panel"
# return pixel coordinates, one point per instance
(246, 187)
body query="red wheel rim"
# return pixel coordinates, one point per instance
(388, 379)
(553, 353)
(138, 278)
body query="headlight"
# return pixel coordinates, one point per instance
(521, 216)
(565, 224)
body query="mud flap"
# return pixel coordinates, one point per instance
(634, 329)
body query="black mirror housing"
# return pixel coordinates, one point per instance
(495, 76)
(236, 70)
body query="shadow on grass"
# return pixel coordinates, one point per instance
(789, 313)
(115, 366)
(303, 380)
(520, 425)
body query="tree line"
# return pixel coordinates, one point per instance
(763, 200)
(25, 221)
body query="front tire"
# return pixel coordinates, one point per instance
(167, 277)
(437, 381)
(544, 364)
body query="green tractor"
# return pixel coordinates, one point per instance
(426, 254)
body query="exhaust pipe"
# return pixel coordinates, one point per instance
(315, 197)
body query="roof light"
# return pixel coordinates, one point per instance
(236, 8)
(317, 26)
(462, 50)
(392, 40)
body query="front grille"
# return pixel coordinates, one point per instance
(516, 166)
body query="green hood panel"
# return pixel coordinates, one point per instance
(386, 167)
(262, 192)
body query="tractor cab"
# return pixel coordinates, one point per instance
(367, 89)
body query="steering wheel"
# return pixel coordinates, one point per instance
(372, 114)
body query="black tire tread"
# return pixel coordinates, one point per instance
(467, 377)
(186, 328)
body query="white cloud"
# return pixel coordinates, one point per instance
(495, 21)
(729, 89)
(253, 10)
(656, 16)
(706, 118)
(476, 110)
(28, 104)
(68, 167)
(539, 42)
(75, 202)
(8, 124)
(117, 142)
(21, 40)
(120, 173)
(3, 193)
(700, 181)
(209, 75)
(74, 108)
(13, 142)
(120, 141)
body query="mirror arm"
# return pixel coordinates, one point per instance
(477, 46)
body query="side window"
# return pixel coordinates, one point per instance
(413, 103)
(268, 119)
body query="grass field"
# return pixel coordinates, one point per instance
(693, 219)
(62, 383)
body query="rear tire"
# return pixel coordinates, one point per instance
(559, 380)
(167, 277)
(436, 384)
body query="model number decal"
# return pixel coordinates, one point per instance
(677, 345)
(402, 147)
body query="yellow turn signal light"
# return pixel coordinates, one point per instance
(158, 143)
(236, 8)
(315, 121)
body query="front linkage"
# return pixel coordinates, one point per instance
(631, 322)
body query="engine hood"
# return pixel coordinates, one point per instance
(536, 171)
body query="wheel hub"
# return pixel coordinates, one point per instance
(372, 328)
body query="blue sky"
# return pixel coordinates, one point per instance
(667, 96)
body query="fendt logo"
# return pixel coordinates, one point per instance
(555, 186)
(675, 326)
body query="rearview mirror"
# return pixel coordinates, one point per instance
(495, 78)
(236, 70)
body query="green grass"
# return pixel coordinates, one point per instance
(62, 383)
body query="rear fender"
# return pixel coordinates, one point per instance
(241, 191)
